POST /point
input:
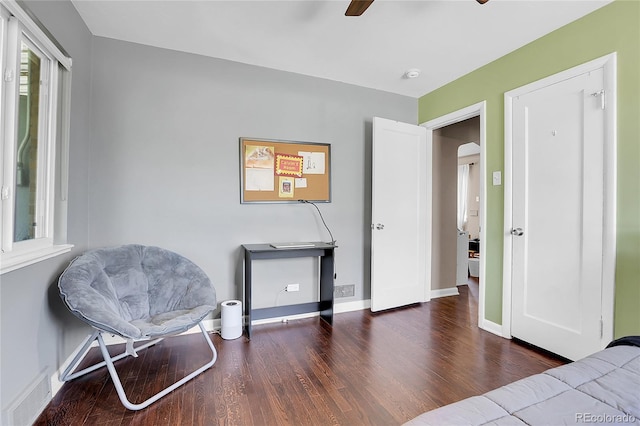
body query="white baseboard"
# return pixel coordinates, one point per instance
(358, 305)
(444, 292)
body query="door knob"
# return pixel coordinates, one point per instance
(380, 226)
(518, 232)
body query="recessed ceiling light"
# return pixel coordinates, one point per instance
(412, 73)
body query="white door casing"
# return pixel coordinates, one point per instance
(560, 211)
(399, 228)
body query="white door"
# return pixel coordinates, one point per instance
(558, 208)
(399, 231)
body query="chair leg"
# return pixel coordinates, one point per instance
(118, 385)
(67, 375)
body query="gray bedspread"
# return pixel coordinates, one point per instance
(603, 388)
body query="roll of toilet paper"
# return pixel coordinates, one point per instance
(231, 319)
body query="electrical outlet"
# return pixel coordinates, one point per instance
(293, 287)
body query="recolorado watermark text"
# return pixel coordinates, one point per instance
(605, 418)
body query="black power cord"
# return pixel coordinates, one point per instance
(333, 241)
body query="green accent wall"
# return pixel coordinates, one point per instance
(612, 28)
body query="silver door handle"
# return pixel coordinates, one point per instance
(518, 232)
(380, 226)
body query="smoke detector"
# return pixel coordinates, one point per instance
(412, 73)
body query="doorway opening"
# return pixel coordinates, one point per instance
(468, 210)
(456, 259)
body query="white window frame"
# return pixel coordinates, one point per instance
(16, 27)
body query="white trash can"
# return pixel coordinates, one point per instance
(231, 319)
(474, 267)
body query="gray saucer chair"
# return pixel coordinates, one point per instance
(140, 293)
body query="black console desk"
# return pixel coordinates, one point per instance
(265, 251)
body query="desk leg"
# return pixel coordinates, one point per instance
(326, 286)
(247, 291)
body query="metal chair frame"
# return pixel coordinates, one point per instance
(67, 375)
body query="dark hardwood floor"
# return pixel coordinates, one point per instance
(368, 369)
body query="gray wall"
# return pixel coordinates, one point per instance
(36, 331)
(444, 228)
(165, 161)
(155, 160)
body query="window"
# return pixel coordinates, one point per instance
(34, 93)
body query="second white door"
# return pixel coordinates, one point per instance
(558, 208)
(399, 217)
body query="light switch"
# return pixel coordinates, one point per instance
(497, 178)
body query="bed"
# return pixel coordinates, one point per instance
(603, 388)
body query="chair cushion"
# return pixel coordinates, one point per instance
(137, 291)
(173, 322)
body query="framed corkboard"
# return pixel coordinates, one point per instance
(275, 171)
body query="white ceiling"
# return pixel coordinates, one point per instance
(444, 38)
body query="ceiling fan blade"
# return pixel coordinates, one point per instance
(357, 7)
(482, 1)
